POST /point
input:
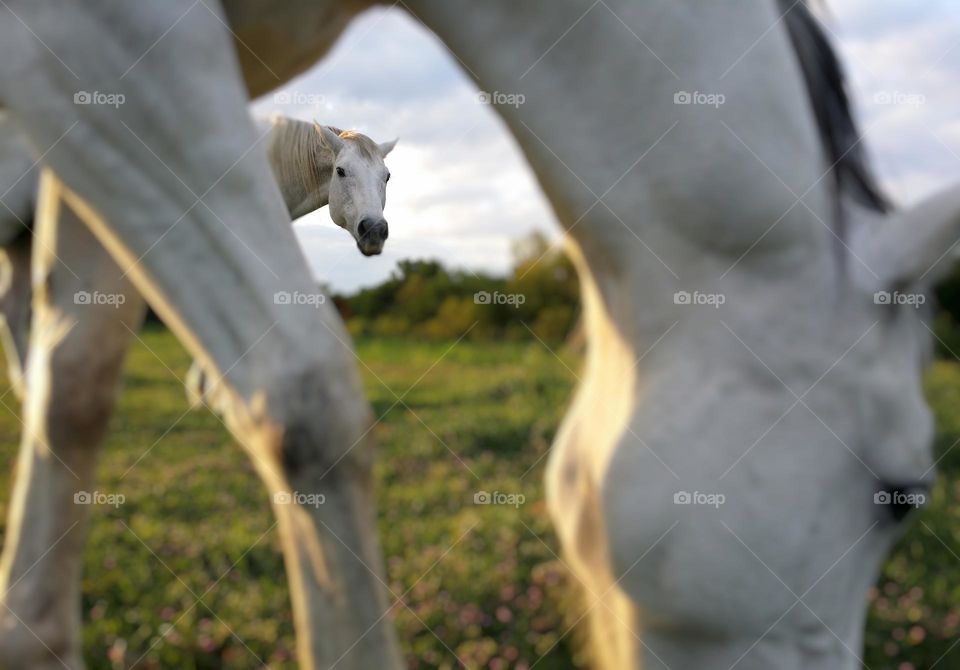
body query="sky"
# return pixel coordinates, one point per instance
(461, 191)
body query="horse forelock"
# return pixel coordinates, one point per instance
(364, 145)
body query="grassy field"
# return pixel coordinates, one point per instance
(186, 574)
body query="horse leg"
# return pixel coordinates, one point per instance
(301, 416)
(77, 348)
(176, 187)
(15, 307)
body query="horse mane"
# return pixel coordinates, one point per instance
(826, 85)
(299, 156)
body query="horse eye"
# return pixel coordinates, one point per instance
(387, 179)
(340, 172)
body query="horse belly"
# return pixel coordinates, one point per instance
(277, 41)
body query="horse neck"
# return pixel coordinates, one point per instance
(600, 99)
(301, 165)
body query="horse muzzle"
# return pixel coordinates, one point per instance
(371, 234)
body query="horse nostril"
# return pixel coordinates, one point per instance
(372, 230)
(902, 499)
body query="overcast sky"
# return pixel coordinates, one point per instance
(460, 190)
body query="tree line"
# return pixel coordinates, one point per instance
(423, 298)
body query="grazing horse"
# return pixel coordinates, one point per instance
(749, 429)
(303, 158)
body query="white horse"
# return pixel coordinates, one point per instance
(303, 158)
(318, 165)
(796, 403)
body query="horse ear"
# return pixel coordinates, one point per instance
(387, 147)
(329, 138)
(917, 246)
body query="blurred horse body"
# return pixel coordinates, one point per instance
(747, 399)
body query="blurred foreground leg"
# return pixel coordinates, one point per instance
(174, 182)
(84, 313)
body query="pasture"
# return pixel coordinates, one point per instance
(183, 568)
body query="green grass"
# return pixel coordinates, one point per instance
(484, 582)
(196, 520)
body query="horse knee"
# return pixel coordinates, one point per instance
(325, 422)
(80, 393)
(319, 422)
